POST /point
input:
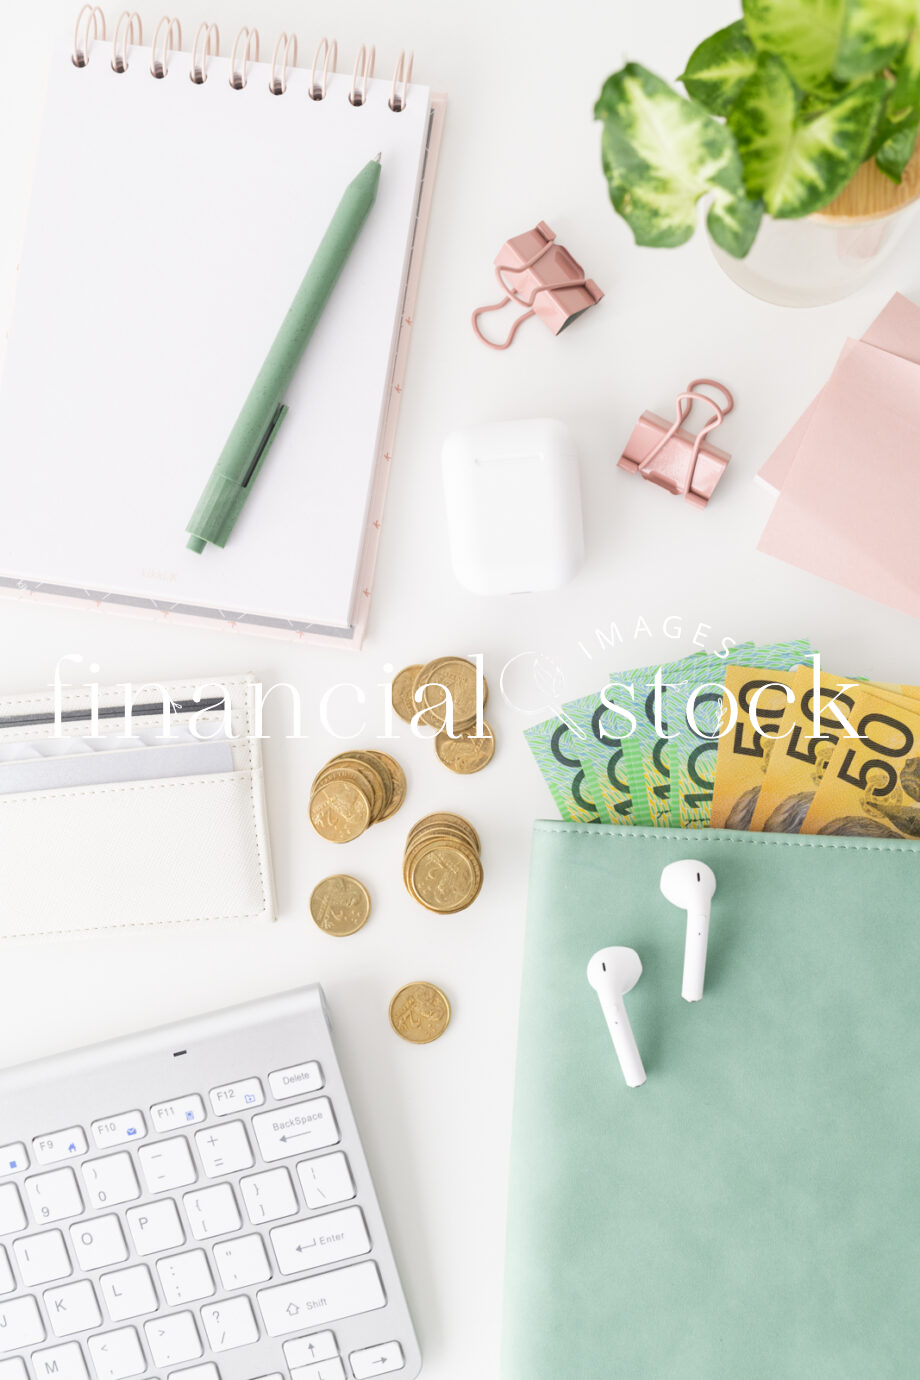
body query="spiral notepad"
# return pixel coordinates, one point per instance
(178, 199)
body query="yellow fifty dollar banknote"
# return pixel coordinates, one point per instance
(760, 695)
(871, 786)
(800, 756)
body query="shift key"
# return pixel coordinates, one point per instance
(321, 1299)
(296, 1130)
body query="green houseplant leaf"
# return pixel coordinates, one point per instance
(804, 33)
(719, 67)
(874, 32)
(894, 152)
(661, 153)
(798, 162)
(906, 93)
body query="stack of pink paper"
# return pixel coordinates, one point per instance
(848, 473)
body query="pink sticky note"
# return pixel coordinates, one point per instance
(896, 330)
(849, 509)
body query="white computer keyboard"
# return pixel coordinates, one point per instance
(193, 1203)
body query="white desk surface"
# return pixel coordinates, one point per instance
(520, 146)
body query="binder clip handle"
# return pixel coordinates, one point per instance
(685, 403)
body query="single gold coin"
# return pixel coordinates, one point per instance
(456, 676)
(465, 753)
(420, 1013)
(340, 905)
(340, 810)
(403, 689)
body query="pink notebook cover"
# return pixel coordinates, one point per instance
(896, 330)
(849, 507)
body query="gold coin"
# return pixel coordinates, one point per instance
(456, 676)
(340, 810)
(403, 688)
(448, 821)
(357, 767)
(445, 877)
(465, 753)
(340, 905)
(396, 781)
(420, 1013)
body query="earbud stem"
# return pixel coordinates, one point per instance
(624, 1042)
(695, 948)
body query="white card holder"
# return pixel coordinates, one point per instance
(170, 851)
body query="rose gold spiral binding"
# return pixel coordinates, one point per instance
(364, 70)
(399, 90)
(90, 25)
(167, 38)
(128, 30)
(286, 51)
(330, 51)
(201, 51)
(249, 38)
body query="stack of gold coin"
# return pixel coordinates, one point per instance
(442, 867)
(353, 791)
(419, 690)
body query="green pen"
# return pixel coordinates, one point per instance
(263, 411)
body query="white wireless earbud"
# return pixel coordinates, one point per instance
(612, 973)
(691, 885)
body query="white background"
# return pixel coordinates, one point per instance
(520, 146)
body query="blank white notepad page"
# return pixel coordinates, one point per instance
(170, 226)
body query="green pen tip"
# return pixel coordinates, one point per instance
(196, 544)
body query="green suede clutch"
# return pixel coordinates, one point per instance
(753, 1211)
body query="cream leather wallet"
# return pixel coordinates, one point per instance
(105, 825)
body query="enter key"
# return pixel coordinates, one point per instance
(320, 1241)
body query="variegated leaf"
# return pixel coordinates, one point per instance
(719, 67)
(804, 33)
(874, 32)
(795, 162)
(661, 154)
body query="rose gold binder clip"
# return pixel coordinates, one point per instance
(534, 270)
(674, 458)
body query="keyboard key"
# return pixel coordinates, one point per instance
(117, 1130)
(230, 1324)
(117, 1355)
(242, 1262)
(323, 1370)
(237, 1097)
(60, 1363)
(377, 1360)
(20, 1324)
(269, 1196)
(13, 1158)
(321, 1298)
(128, 1293)
(184, 1111)
(12, 1217)
(206, 1372)
(53, 1196)
(320, 1241)
(185, 1278)
(42, 1258)
(212, 1212)
(110, 1181)
(173, 1339)
(303, 1127)
(72, 1308)
(167, 1164)
(299, 1078)
(98, 1243)
(224, 1149)
(304, 1351)
(13, 1369)
(275, 1375)
(59, 1145)
(326, 1180)
(155, 1227)
(7, 1282)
